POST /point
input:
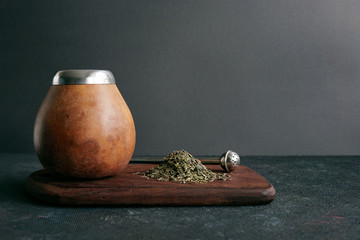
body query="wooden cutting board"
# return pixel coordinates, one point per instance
(245, 188)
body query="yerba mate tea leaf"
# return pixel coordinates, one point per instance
(181, 166)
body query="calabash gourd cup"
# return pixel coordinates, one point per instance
(84, 128)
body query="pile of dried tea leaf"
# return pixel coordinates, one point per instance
(181, 166)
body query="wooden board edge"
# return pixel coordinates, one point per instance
(52, 195)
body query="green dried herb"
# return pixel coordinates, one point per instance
(181, 166)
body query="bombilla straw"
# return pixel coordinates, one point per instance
(150, 160)
(228, 161)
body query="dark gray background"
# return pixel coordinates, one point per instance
(257, 77)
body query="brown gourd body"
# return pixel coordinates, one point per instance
(84, 131)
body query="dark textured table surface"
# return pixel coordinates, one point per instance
(316, 198)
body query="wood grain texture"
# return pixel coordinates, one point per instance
(246, 188)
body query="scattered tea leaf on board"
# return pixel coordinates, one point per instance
(181, 166)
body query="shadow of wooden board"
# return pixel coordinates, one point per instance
(246, 187)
